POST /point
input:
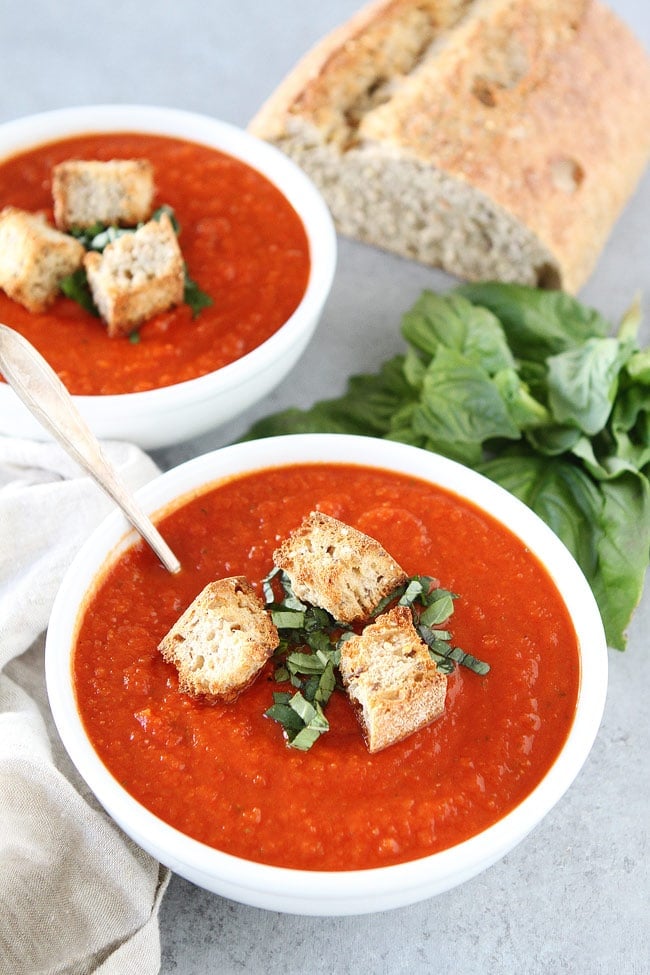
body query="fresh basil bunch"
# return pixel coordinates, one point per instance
(530, 388)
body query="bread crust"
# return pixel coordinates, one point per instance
(340, 65)
(531, 117)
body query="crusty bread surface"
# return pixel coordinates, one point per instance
(34, 258)
(137, 275)
(497, 139)
(335, 566)
(391, 679)
(117, 192)
(221, 641)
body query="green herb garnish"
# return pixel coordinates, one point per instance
(431, 607)
(306, 658)
(193, 296)
(310, 649)
(75, 286)
(97, 237)
(529, 388)
(165, 208)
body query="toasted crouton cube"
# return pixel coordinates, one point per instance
(34, 258)
(334, 566)
(118, 192)
(221, 641)
(137, 275)
(391, 679)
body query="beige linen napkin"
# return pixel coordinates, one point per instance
(76, 896)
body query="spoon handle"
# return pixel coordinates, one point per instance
(43, 393)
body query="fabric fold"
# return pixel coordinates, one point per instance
(76, 895)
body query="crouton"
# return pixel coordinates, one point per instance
(118, 192)
(137, 275)
(34, 258)
(334, 566)
(221, 641)
(391, 679)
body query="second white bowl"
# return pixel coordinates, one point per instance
(159, 417)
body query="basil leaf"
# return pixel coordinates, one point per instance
(366, 408)
(305, 663)
(105, 237)
(524, 410)
(326, 683)
(301, 721)
(538, 323)
(452, 322)
(165, 208)
(623, 552)
(638, 367)
(605, 527)
(553, 439)
(582, 382)
(413, 591)
(561, 493)
(469, 661)
(438, 611)
(267, 584)
(288, 619)
(461, 405)
(75, 286)
(193, 296)
(86, 235)
(286, 716)
(630, 424)
(308, 735)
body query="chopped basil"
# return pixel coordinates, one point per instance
(194, 297)
(302, 627)
(431, 607)
(445, 655)
(75, 286)
(165, 208)
(98, 236)
(288, 619)
(310, 649)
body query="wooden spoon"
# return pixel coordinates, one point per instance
(45, 396)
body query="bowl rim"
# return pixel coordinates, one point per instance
(431, 873)
(21, 134)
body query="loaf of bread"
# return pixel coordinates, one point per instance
(497, 139)
(335, 566)
(391, 679)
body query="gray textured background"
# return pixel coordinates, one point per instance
(574, 897)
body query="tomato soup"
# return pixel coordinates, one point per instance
(223, 773)
(243, 244)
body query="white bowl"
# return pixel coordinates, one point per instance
(159, 417)
(347, 892)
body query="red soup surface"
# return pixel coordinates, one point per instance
(223, 773)
(242, 242)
